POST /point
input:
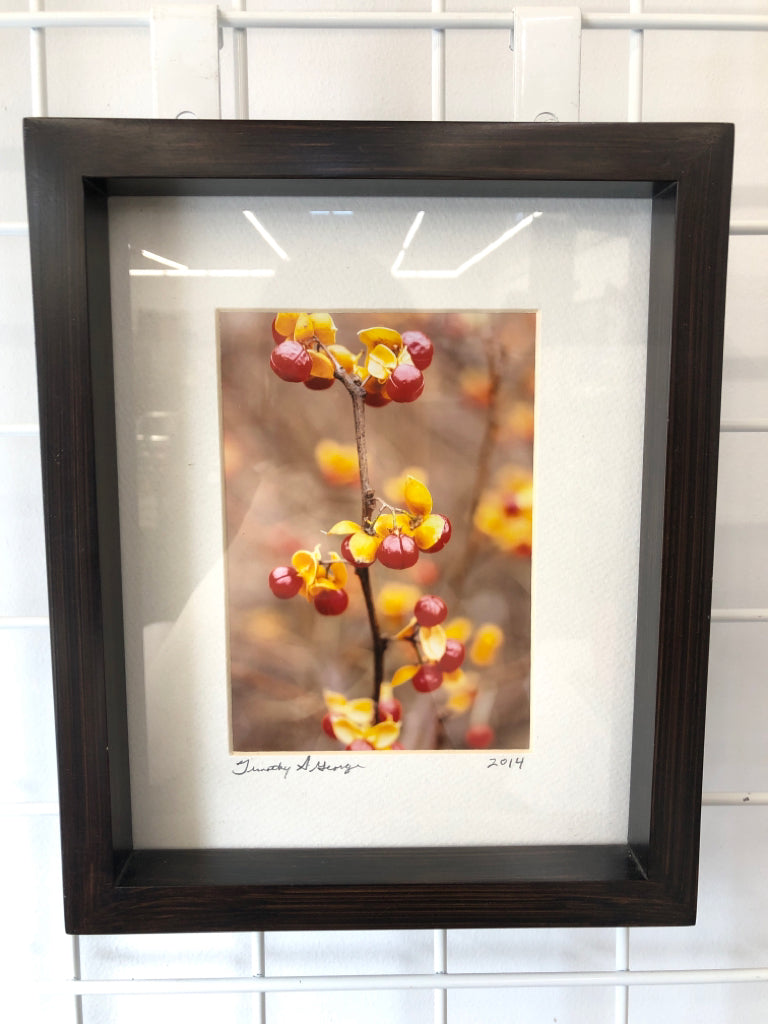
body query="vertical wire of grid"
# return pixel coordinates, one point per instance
(440, 948)
(438, 66)
(241, 102)
(621, 997)
(634, 114)
(635, 83)
(259, 970)
(438, 69)
(240, 60)
(38, 69)
(752, 227)
(38, 66)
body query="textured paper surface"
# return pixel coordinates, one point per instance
(584, 265)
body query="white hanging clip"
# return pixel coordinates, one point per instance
(547, 46)
(185, 61)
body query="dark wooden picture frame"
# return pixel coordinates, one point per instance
(73, 167)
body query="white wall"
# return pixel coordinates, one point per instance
(715, 75)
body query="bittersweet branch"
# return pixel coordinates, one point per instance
(368, 500)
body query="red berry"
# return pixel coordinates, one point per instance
(291, 362)
(453, 657)
(419, 347)
(318, 383)
(479, 736)
(511, 507)
(331, 602)
(359, 745)
(444, 537)
(376, 399)
(327, 726)
(390, 709)
(398, 551)
(405, 383)
(430, 610)
(347, 554)
(284, 581)
(276, 336)
(397, 745)
(427, 679)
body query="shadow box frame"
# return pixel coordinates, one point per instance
(73, 167)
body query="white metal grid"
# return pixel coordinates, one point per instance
(635, 22)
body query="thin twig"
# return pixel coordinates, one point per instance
(368, 500)
(368, 497)
(379, 641)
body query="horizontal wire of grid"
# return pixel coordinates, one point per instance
(394, 982)
(435, 20)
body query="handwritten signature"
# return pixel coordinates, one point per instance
(309, 764)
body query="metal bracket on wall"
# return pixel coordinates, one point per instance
(185, 43)
(547, 46)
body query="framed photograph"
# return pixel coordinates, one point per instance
(379, 466)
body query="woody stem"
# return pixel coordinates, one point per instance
(368, 500)
(357, 394)
(379, 641)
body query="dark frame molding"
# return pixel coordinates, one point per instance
(73, 167)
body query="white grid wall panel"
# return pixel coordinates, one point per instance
(713, 73)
